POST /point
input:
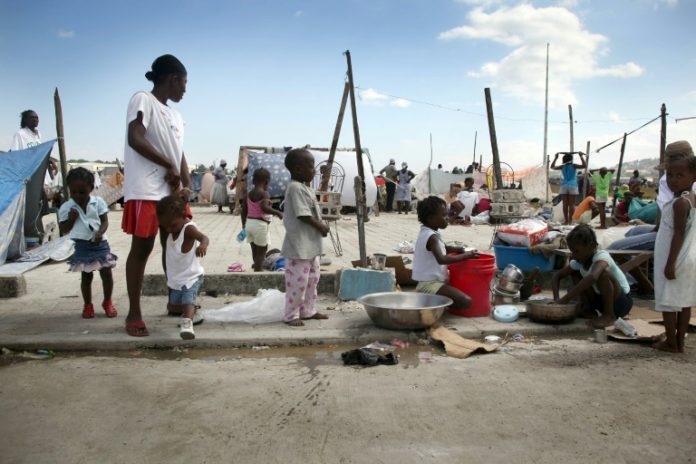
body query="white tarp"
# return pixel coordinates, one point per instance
(535, 185)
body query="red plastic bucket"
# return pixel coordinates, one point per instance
(473, 277)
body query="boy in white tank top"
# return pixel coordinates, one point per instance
(185, 245)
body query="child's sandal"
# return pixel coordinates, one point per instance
(88, 311)
(109, 308)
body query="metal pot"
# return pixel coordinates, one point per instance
(500, 297)
(378, 261)
(507, 285)
(512, 274)
(547, 311)
(404, 310)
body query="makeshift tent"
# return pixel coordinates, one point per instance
(435, 182)
(22, 175)
(274, 161)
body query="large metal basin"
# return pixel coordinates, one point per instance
(404, 310)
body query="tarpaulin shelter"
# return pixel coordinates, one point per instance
(22, 175)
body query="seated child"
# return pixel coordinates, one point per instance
(586, 211)
(185, 244)
(430, 256)
(598, 282)
(466, 204)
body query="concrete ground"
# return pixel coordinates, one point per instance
(570, 401)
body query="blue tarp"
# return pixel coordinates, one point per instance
(21, 183)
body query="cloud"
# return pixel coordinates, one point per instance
(65, 34)
(666, 3)
(299, 13)
(525, 29)
(400, 103)
(691, 95)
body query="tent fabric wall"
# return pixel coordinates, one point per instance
(22, 174)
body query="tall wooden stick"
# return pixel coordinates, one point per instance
(494, 139)
(586, 181)
(361, 169)
(61, 143)
(570, 116)
(618, 171)
(663, 136)
(475, 137)
(334, 143)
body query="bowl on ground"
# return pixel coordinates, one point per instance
(550, 312)
(404, 310)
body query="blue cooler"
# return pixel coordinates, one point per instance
(522, 258)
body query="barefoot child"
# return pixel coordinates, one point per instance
(569, 185)
(599, 283)
(304, 230)
(430, 256)
(85, 217)
(258, 217)
(675, 249)
(185, 244)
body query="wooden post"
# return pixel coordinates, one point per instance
(480, 163)
(494, 140)
(586, 181)
(359, 212)
(61, 144)
(618, 171)
(570, 116)
(475, 137)
(361, 169)
(663, 136)
(334, 143)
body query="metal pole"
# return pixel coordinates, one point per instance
(586, 182)
(430, 169)
(546, 111)
(663, 136)
(61, 143)
(334, 143)
(361, 170)
(570, 115)
(618, 170)
(494, 140)
(475, 137)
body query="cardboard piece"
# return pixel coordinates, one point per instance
(647, 331)
(692, 322)
(456, 345)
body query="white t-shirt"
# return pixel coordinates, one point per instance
(469, 200)
(164, 129)
(183, 269)
(25, 138)
(425, 266)
(89, 222)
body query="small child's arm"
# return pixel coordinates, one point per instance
(67, 225)
(432, 246)
(267, 207)
(556, 280)
(192, 233)
(317, 224)
(681, 213)
(597, 268)
(104, 218)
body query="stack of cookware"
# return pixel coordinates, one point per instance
(506, 286)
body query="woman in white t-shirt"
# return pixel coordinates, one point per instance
(28, 135)
(155, 166)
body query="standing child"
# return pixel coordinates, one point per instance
(85, 217)
(569, 185)
(599, 283)
(258, 217)
(302, 246)
(185, 244)
(602, 180)
(675, 249)
(430, 256)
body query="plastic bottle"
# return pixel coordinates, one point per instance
(626, 328)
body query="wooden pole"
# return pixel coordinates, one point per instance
(334, 143)
(570, 116)
(430, 169)
(361, 169)
(61, 143)
(480, 162)
(475, 137)
(663, 136)
(359, 212)
(494, 140)
(586, 181)
(618, 171)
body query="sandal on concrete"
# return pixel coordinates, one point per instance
(109, 308)
(88, 311)
(136, 329)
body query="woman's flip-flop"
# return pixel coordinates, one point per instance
(235, 267)
(136, 329)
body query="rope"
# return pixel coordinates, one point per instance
(627, 134)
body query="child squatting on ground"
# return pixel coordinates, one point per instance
(675, 248)
(258, 217)
(85, 217)
(598, 282)
(302, 246)
(185, 244)
(431, 256)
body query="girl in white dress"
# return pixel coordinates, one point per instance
(675, 249)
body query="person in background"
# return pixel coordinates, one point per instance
(390, 174)
(439, 167)
(620, 215)
(569, 185)
(466, 204)
(302, 245)
(602, 179)
(28, 135)
(635, 182)
(259, 214)
(155, 167)
(675, 249)
(586, 211)
(431, 256)
(598, 282)
(219, 195)
(403, 193)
